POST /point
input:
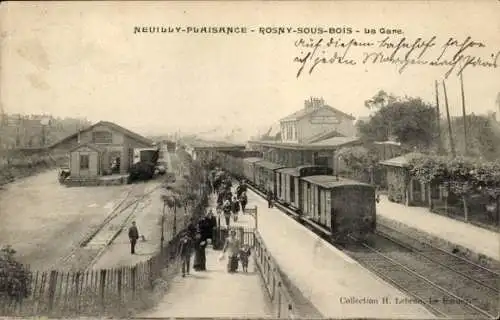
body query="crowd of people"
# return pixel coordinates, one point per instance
(198, 236)
(228, 204)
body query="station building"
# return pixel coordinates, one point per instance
(91, 151)
(311, 135)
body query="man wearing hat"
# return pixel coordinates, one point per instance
(185, 250)
(133, 235)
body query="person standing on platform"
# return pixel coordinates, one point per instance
(200, 259)
(235, 208)
(245, 253)
(241, 189)
(211, 224)
(270, 198)
(243, 201)
(191, 228)
(185, 251)
(232, 246)
(133, 235)
(226, 208)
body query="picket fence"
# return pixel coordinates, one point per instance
(94, 292)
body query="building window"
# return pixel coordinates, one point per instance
(84, 162)
(102, 137)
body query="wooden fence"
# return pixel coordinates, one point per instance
(94, 292)
(281, 299)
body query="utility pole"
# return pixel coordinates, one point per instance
(438, 118)
(452, 143)
(463, 113)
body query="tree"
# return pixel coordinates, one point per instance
(358, 158)
(483, 136)
(381, 99)
(410, 120)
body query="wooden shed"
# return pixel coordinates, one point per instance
(86, 160)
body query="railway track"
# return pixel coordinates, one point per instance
(110, 227)
(436, 298)
(447, 284)
(484, 276)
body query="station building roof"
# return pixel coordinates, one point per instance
(331, 143)
(401, 161)
(307, 111)
(208, 144)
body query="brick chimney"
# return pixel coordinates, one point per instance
(314, 103)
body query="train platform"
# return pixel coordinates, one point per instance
(478, 240)
(336, 285)
(215, 293)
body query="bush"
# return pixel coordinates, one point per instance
(14, 277)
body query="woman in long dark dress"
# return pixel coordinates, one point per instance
(200, 259)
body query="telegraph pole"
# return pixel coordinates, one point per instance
(440, 142)
(452, 143)
(463, 113)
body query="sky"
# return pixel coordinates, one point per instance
(83, 59)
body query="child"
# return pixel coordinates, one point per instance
(244, 255)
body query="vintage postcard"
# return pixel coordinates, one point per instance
(250, 159)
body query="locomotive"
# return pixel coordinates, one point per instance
(345, 208)
(145, 161)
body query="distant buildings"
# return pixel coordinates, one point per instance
(31, 131)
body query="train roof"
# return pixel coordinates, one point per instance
(331, 182)
(252, 159)
(269, 165)
(290, 171)
(296, 171)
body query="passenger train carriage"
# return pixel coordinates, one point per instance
(265, 177)
(345, 207)
(249, 168)
(288, 182)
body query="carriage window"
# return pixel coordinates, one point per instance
(292, 189)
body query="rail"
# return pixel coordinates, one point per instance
(418, 286)
(269, 270)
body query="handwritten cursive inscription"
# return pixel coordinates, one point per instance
(453, 54)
